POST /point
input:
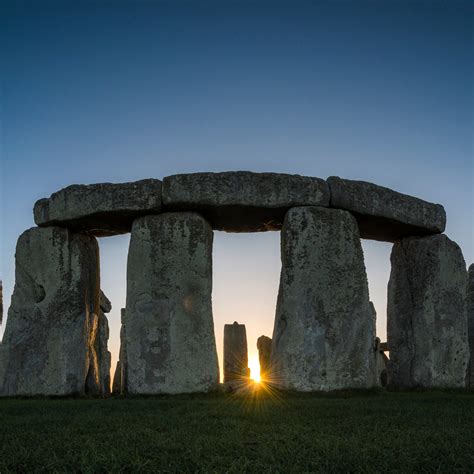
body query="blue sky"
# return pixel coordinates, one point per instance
(119, 91)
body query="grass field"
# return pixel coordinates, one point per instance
(258, 432)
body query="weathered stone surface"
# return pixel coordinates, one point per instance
(235, 352)
(49, 337)
(100, 209)
(470, 319)
(170, 332)
(98, 383)
(373, 312)
(384, 214)
(426, 313)
(323, 335)
(103, 354)
(242, 201)
(93, 380)
(264, 346)
(117, 383)
(1, 302)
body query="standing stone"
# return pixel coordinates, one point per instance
(380, 364)
(170, 332)
(235, 352)
(470, 319)
(49, 336)
(98, 377)
(117, 383)
(264, 346)
(426, 314)
(323, 335)
(381, 361)
(123, 352)
(104, 355)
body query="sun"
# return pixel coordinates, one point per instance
(254, 367)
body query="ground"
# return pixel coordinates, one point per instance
(255, 432)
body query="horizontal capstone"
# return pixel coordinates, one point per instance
(243, 201)
(100, 209)
(239, 201)
(384, 214)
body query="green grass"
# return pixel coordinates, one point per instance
(357, 432)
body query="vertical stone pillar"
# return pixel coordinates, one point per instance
(426, 313)
(235, 352)
(48, 344)
(123, 352)
(323, 334)
(117, 382)
(381, 361)
(103, 354)
(264, 346)
(98, 377)
(170, 332)
(470, 321)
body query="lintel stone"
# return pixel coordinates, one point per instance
(242, 201)
(100, 209)
(384, 214)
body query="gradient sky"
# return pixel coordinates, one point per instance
(118, 91)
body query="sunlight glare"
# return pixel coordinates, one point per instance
(254, 366)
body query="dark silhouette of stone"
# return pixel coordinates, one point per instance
(470, 318)
(235, 352)
(123, 352)
(170, 331)
(105, 304)
(264, 346)
(426, 313)
(100, 209)
(103, 354)
(384, 347)
(1, 302)
(49, 340)
(381, 361)
(117, 382)
(323, 335)
(384, 214)
(242, 201)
